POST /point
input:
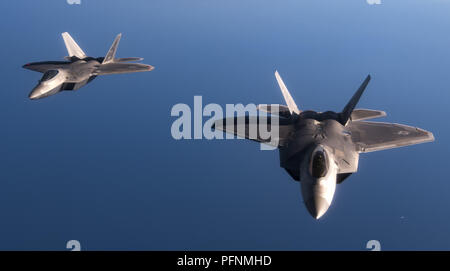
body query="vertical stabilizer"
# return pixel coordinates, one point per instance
(111, 55)
(287, 96)
(72, 47)
(348, 109)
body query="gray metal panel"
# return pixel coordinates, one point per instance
(376, 136)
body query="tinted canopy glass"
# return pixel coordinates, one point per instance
(318, 164)
(49, 75)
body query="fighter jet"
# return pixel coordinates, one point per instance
(79, 69)
(321, 149)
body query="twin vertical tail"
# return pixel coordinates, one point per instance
(111, 55)
(344, 116)
(74, 50)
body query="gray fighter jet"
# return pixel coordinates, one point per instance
(321, 149)
(79, 69)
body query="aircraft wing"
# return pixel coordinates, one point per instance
(113, 68)
(45, 66)
(250, 127)
(377, 136)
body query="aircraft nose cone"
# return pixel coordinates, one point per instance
(317, 206)
(34, 94)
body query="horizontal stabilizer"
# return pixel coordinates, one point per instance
(72, 47)
(128, 59)
(114, 68)
(365, 114)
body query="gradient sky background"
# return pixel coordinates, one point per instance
(99, 165)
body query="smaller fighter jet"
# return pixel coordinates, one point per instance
(321, 149)
(79, 69)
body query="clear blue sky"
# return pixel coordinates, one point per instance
(99, 165)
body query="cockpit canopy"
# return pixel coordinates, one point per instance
(49, 75)
(318, 164)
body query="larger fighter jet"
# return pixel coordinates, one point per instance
(321, 149)
(79, 69)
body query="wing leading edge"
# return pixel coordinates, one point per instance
(376, 136)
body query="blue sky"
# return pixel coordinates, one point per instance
(99, 165)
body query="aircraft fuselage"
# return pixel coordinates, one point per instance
(317, 152)
(59, 76)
